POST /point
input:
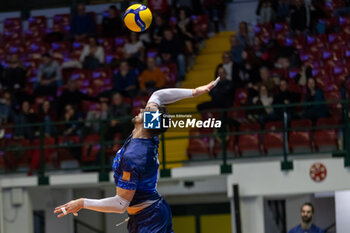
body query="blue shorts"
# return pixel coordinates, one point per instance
(154, 219)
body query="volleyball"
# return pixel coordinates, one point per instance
(137, 18)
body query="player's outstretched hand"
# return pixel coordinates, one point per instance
(70, 207)
(206, 88)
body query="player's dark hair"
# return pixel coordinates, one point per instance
(155, 132)
(308, 204)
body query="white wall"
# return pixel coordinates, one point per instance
(17, 218)
(266, 178)
(342, 204)
(45, 198)
(240, 11)
(252, 214)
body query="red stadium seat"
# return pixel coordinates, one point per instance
(91, 148)
(61, 22)
(13, 24)
(300, 140)
(249, 144)
(198, 147)
(326, 139)
(37, 22)
(273, 141)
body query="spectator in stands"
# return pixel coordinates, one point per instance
(266, 80)
(299, 16)
(236, 49)
(263, 99)
(216, 11)
(231, 68)
(174, 45)
(117, 110)
(185, 27)
(6, 108)
(125, 81)
(159, 6)
(313, 94)
(112, 25)
(267, 13)
(14, 77)
(244, 36)
(49, 77)
(261, 50)
(25, 116)
(285, 97)
(71, 117)
(82, 24)
(307, 212)
(97, 112)
(47, 115)
(157, 30)
(152, 78)
(283, 9)
(134, 51)
(221, 94)
(248, 70)
(93, 55)
(72, 96)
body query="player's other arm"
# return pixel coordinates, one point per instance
(116, 204)
(171, 95)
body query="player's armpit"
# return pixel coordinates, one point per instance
(126, 194)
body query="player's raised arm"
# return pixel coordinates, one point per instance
(171, 95)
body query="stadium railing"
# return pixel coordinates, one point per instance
(44, 154)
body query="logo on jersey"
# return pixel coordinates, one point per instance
(126, 176)
(151, 120)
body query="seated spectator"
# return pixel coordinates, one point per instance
(248, 74)
(112, 25)
(299, 16)
(216, 11)
(134, 50)
(6, 108)
(285, 97)
(266, 80)
(93, 117)
(82, 24)
(125, 81)
(283, 10)
(236, 49)
(14, 78)
(262, 114)
(72, 96)
(230, 67)
(49, 77)
(221, 95)
(152, 78)
(313, 94)
(47, 115)
(185, 27)
(157, 30)
(174, 45)
(93, 55)
(25, 116)
(267, 13)
(71, 117)
(243, 35)
(118, 109)
(261, 50)
(159, 6)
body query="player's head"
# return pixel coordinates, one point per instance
(138, 119)
(307, 212)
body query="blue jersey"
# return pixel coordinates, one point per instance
(135, 167)
(313, 229)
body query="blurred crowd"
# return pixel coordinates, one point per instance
(297, 52)
(82, 69)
